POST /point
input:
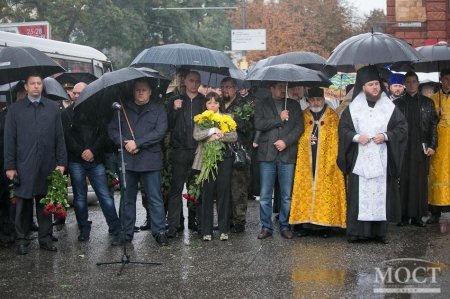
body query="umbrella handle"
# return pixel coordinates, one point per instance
(126, 118)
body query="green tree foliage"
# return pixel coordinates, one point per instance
(123, 28)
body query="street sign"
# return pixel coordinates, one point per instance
(248, 39)
(35, 29)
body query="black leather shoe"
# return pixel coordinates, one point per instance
(238, 228)
(287, 234)
(59, 221)
(117, 240)
(34, 227)
(84, 236)
(48, 247)
(264, 234)
(54, 239)
(418, 222)
(161, 239)
(325, 234)
(382, 240)
(171, 233)
(433, 220)
(22, 249)
(136, 229)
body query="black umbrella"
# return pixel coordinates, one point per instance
(17, 63)
(371, 49)
(435, 59)
(53, 90)
(189, 57)
(75, 78)
(260, 64)
(309, 60)
(97, 98)
(290, 73)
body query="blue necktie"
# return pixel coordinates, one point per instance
(35, 104)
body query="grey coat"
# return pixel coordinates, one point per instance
(268, 121)
(34, 144)
(202, 135)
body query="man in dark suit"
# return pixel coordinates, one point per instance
(34, 147)
(280, 121)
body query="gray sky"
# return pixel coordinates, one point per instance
(365, 6)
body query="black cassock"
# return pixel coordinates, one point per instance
(422, 119)
(348, 152)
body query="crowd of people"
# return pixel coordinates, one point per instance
(373, 161)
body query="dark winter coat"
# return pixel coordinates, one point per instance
(181, 121)
(268, 121)
(34, 144)
(149, 127)
(82, 133)
(428, 117)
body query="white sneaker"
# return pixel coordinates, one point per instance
(207, 238)
(223, 237)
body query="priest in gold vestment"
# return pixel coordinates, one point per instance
(439, 177)
(318, 198)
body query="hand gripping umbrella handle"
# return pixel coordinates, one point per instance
(126, 119)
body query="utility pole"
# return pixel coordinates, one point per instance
(244, 21)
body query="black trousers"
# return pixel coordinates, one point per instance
(24, 217)
(182, 160)
(221, 187)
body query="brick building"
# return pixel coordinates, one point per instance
(419, 22)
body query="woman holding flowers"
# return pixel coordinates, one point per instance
(213, 158)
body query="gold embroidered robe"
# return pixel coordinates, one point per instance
(439, 176)
(319, 201)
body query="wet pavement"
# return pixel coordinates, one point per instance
(242, 267)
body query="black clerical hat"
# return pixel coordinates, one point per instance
(315, 92)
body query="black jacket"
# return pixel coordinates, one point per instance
(268, 121)
(428, 117)
(181, 121)
(149, 127)
(245, 128)
(82, 133)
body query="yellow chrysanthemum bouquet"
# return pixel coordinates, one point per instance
(213, 153)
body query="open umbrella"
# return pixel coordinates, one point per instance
(189, 57)
(290, 73)
(214, 80)
(97, 98)
(309, 60)
(17, 63)
(74, 78)
(435, 58)
(53, 90)
(371, 49)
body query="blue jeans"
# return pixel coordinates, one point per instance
(152, 186)
(97, 177)
(268, 172)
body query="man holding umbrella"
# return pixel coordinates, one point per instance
(85, 140)
(34, 147)
(372, 141)
(280, 121)
(143, 125)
